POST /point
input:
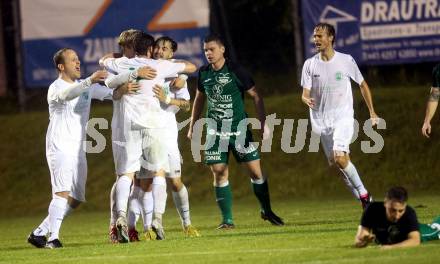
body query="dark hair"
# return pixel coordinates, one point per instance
(329, 29)
(58, 57)
(214, 37)
(398, 194)
(167, 39)
(142, 42)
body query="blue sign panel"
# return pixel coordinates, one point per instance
(378, 32)
(91, 28)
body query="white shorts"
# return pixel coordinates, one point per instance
(168, 142)
(335, 136)
(154, 151)
(127, 150)
(68, 174)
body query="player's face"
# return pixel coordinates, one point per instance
(321, 39)
(394, 210)
(213, 51)
(128, 51)
(163, 50)
(72, 65)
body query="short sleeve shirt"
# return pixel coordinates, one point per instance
(224, 90)
(374, 218)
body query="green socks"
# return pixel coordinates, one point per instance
(223, 197)
(261, 190)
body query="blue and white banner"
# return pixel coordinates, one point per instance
(91, 28)
(378, 32)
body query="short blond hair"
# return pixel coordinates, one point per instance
(126, 38)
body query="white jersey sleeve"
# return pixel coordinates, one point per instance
(116, 65)
(167, 69)
(114, 81)
(101, 92)
(354, 72)
(182, 93)
(306, 76)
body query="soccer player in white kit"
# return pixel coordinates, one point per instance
(173, 99)
(69, 107)
(143, 124)
(327, 92)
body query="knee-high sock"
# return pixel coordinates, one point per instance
(261, 190)
(223, 197)
(57, 208)
(113, 212)
(159, 197)
(43, 228)
(351, 173)
(122, 193)
(350, 186)
(134, 207)
(181, 201)
(147, 209)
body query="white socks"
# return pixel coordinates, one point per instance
(134, 206)
(147, 207)
(113, 212)
(159, 196)
(122, 193)
(182, 205)
(352, 176)
(57, 208)
(43, 228)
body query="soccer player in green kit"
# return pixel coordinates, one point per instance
(223, 84)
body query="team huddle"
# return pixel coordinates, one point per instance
(148, 87)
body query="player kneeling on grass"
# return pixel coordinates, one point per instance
(69, 107)
(393, 223)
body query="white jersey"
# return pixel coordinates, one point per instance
(143, 109)
(68, 119)
(329, 82)
(171, 110)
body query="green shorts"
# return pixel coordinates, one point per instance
(225, 142)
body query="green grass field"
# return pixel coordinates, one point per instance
(316, 231)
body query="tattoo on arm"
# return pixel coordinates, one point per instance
(185, 105)
(434, 95)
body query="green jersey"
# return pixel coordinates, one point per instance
(224, 90)
(436, 76)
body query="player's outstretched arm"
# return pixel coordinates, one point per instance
(179, 82)
(166, 99)
(366, 94)
(431, 107)
(412, 241)
(259, 107)
(77, 88)
(189, 67)
(199, 102)
(108, 56)
(363, 237)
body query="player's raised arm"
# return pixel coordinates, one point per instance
(189, 67)
(166, 99)
(76, 89)
(366, 94)
(431, 107)
(108, 56)
(199, 102)
(126, 88)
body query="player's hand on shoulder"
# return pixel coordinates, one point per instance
(98, 76)
(310, 102)
(147, 73)
(426, 129)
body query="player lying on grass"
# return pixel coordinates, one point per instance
(394, 224)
